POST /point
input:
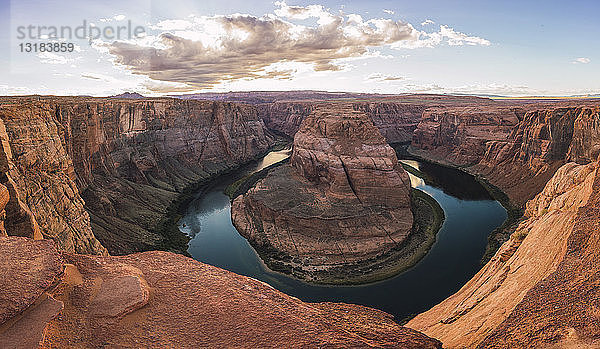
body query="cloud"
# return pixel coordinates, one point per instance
(384, 77)
(426, 22)
(389, 12)
(113, 18)
(581, 60)
(53, 58)
(444, 35)
(208, 50)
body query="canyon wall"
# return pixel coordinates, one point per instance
(128, 159)
(396, 121)
(459, 135)
(544, 140)
(540, 288)
(517, 147)
(164, 300)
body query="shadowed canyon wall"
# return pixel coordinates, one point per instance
(128, 159)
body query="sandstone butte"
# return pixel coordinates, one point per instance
(164, 300)
(72, 166)
(343, 198)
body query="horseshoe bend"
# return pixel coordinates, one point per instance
(93, 187)
(342, 200)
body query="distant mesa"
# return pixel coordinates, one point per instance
(129, 95)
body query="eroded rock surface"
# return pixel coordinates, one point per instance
(513, 289)
(92, 173)
(27, 269)
(192, 305)
(161, 299)
(342, 200)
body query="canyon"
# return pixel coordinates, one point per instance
(100, 176)
(342, 200)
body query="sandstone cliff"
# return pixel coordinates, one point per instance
(459, 134)
(538, 287)
(39, 176)
(160, 299)
(517, 147)
(128, 159)
(342, 200)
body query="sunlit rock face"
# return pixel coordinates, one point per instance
(539, 287)
(160, 299)
(341, 200)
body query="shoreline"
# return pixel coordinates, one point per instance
(514, 213)
(428, 219)
(168, 227)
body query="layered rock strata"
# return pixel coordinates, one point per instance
(128, 159)
(396, 117)
(516, 147)
(540, 288)
(542, 142)
(160, 299)
(342, 200)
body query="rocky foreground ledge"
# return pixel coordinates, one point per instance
(342, 201)
(161, 299)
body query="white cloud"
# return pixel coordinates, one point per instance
(384, 77)
(581, 60)
(203, 51)
(113, 18)
(53, 58)
(426, 22)
(390, 12)
(444, 35)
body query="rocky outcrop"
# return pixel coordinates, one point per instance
(543, 141)
(537, 289)
(459, 134)
(39, 175)
(161, 299)
(342, 200)
(29, 268)
(128, 159)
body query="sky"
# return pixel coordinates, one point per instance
(510, 48)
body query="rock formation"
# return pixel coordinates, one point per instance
(517, 147)
(538, 287)
(79, 168)
(342, 200)
(459, 134)
(543, 141)
(396, 117)
(160, 299)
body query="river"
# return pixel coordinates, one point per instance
(471, 215)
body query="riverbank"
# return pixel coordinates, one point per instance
(514, 213)
(168, 227)
(428, 219)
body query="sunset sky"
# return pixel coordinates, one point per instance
(513, 48)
